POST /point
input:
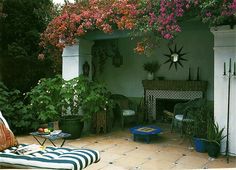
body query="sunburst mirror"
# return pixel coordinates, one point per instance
(175, 57)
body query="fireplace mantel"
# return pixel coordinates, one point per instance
(171, 89)
(176, 85)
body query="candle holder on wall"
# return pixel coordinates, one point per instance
(229, 75)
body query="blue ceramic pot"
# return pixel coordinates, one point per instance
(200, 144)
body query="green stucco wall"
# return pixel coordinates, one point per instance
(197, 42)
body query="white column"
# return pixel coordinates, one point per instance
(224, 49)
(74, 57)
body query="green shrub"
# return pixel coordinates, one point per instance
(97, 100)
(15, 111)
(45, 99)
(55, 97)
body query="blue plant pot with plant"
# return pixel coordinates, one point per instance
(200, 144)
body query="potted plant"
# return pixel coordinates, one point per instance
(98, 104)
(151, 68)
(214, 137)
(72, 94)
(57, 99)
(200, 117)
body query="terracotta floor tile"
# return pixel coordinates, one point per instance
(121, 149)
(100, 146)
(141, 153)
(26, 139)
(157, 165)
(221, 163)
(129, 162)
(113, 167)
(119, 152)
(191, 162)
(166, 156)
(78, 143)
(110, 157)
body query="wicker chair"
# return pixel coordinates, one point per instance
(124, 109)
(181, 110)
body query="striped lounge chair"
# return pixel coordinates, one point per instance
(48, 158)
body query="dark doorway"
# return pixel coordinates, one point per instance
(166, 104)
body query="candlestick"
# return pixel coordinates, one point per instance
(198, 74)
(234, 69)
(224, 69)
(189, 74)
(230, 65)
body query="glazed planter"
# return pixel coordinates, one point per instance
(213, 149)
(72, 125)
(200, 144)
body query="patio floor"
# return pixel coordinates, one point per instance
(119, 152)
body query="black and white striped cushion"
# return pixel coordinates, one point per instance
(51, 158)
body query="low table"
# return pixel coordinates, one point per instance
(49, 137)
(145, 132)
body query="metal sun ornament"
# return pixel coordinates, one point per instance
(175, 57)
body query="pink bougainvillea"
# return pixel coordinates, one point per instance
(160, 17)
(77, 19)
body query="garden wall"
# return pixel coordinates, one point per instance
(197, 42)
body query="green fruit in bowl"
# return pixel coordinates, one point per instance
(46, 130)
(51, 129)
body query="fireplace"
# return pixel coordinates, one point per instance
(157, 90)
(166, 104)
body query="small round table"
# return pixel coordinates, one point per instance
(50, 137)
(145, 132)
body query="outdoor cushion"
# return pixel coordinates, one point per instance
(128, 112)
(7, 138)
(180, 118)
(2, 119)
(50, 158)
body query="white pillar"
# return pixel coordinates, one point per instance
(74, 57)
(224, 49)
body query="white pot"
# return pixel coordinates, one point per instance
(150, 76)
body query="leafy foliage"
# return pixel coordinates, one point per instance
(151, 67)
(21, 27)
(45, 99)
(98, 99)
(55, 97)
(73, 93)
(214, 133)
(218, 12)
(15, 111)
(201, 117)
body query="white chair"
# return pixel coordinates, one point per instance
(124, 109)
(181, 113)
